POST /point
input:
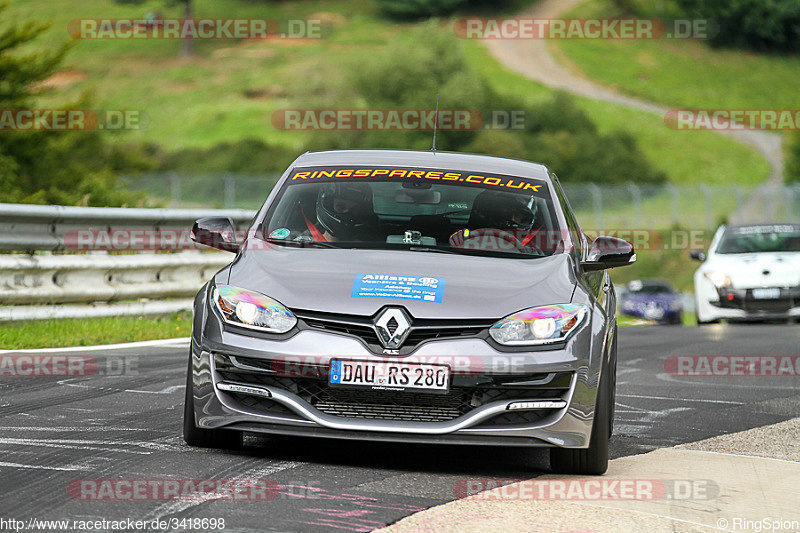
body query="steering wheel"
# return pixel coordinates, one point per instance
(486, 239)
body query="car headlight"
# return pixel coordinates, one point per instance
(252, 310)
(539, 325)
(719, 279)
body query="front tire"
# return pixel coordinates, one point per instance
(594, 459)
(200, 437)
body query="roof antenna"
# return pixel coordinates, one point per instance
(435, 123)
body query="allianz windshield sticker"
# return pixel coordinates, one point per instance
(427, 289)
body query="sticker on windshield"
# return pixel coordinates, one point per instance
(421, 175)
(280, 233)
(426, 289)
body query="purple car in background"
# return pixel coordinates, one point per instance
(652, 299)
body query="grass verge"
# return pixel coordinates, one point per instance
(91, 331)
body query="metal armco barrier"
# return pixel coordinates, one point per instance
(97, 283)
(44, 227)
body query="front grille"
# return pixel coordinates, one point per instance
(365, 403)
(264, 405)
(405, 413)
(515, 418)
(420, 330)
(743, 299)
(769, 306)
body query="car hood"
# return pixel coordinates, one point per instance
(748, 271)
(475, 287)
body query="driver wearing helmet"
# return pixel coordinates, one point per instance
(502, 211)
(345, 213)
(505, 216)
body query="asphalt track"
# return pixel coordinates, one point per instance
(127, 425)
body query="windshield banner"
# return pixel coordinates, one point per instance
(424, 175)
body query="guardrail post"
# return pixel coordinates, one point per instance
(175, 189)
(737, 191)
(597, 202)
(636, 196)
(708, 206)
(673, 190)
(230, 190)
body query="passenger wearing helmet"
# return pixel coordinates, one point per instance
(345, 212)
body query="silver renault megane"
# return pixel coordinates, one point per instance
(410, 296)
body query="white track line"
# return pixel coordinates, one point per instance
(174, 507)
(677, 399)
(121, 346)
(39, 467)
(686, 380)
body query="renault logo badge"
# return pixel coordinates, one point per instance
(392, 327)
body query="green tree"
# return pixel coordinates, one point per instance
(762, 25)
(48, 166)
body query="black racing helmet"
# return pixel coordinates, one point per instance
(501, 210)
(343, 209)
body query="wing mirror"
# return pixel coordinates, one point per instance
(216, 232)
(608, 252)
(697, 255)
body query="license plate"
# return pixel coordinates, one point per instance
(390, 375)
(766, 294)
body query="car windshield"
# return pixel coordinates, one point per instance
(759, 239)
(434, 210)
(650, 287)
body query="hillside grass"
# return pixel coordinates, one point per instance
(229, 89)
(680, 72)
(686, 157)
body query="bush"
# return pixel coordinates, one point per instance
(761, 25)
(248, 156)
(411, 9)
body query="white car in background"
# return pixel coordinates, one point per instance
(751, 272)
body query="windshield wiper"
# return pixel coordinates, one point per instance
(433, 250)
(302, 244)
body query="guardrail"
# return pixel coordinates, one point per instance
(47, 227)
(97, 283)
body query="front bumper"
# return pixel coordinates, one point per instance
(740, 304)
(294, 398)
